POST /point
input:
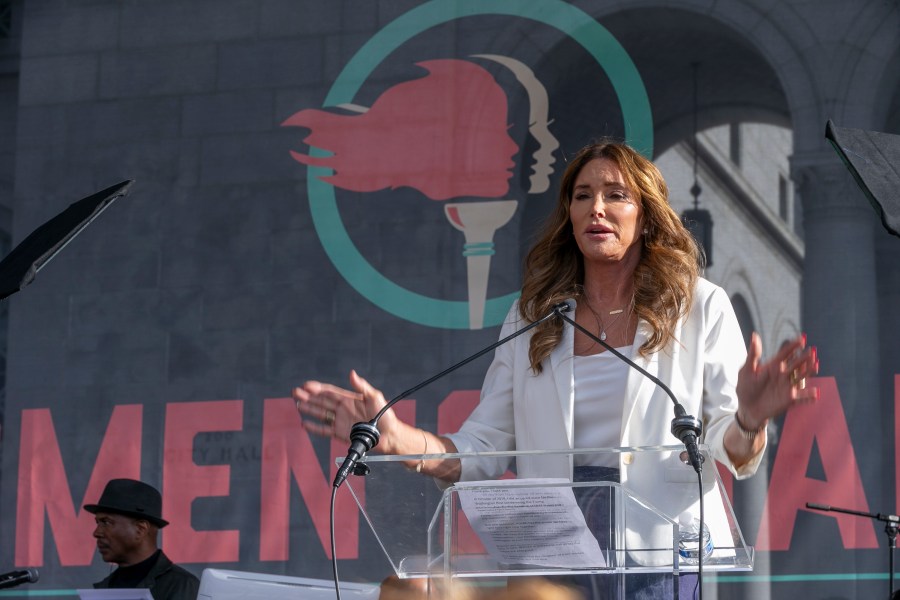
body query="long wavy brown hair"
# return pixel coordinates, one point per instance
(663, 280)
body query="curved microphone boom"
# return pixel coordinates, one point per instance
(684, 426)
(364, 436)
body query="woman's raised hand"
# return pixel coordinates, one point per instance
(331, 411)
(765, 390)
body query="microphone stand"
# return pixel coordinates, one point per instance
(891, 524)
(365, 435)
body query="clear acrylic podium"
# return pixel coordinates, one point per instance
(448, 534)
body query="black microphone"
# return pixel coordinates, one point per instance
(364, 436)
(685, 427)
(14, 578)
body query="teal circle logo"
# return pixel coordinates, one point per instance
(350, 263)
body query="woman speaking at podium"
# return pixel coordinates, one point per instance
(615, 250)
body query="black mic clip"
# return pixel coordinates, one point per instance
(363, 437)
(366, 434)
(688, 429)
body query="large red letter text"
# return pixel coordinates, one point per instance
(790, 489)
(43, 485)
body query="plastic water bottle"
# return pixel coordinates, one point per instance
(689, 540)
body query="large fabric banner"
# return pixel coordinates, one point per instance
(358, 195)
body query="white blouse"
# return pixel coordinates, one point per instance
(600, 381)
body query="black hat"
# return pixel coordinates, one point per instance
(131, 498)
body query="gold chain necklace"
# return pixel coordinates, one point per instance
(600, 325)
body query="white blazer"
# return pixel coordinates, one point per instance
(523, 411)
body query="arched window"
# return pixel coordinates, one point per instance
(744, 317)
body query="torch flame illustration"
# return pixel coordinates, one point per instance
(478, 221)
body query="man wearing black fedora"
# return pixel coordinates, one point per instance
(129, 517)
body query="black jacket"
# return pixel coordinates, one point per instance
(166, 581)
